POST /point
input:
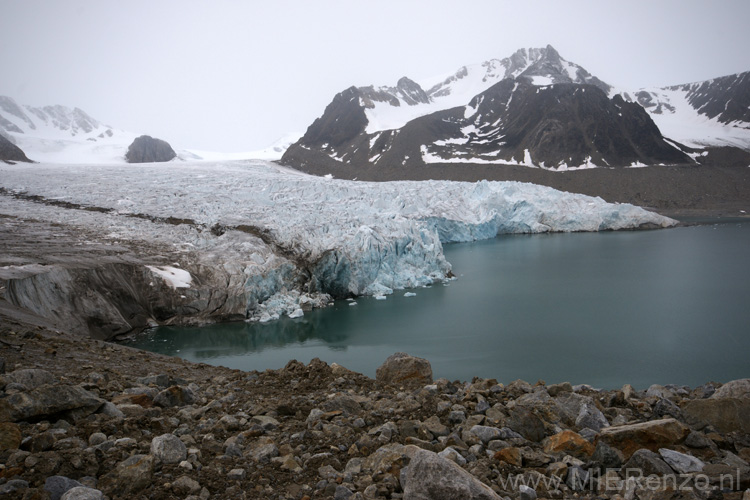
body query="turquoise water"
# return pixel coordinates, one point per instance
(638, 307)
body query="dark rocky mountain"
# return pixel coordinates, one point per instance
(146, 149)
(535, 109)
(726, 99)
(9, 152)
(557, 126)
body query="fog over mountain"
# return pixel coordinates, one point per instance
(239, 76)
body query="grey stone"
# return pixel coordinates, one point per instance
(13, 485)
(734, 389)
(431, 477)
(647, 463)
(175, 396)
(578, 478)
(698, 440)
(31, 378)
(185, 485)
(486, 433)
(527, 423)
(266, 422)
(58, 485)
(49, 400)
(402, 369)
(526, 493)
(666, 408)
(342, 493)
(129, 476)
(555, 389)
(436, 427)
(606, 456)
(168, 449)
(659, 391)
(681, 462)
(591, 418)
(236, 474)
(264, 454)
(82, 493)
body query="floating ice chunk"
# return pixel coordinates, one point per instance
(297, 313)
(176, 278)
(380, 297)
(352, 303)
(410, 294)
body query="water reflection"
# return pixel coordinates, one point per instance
(606, 309)
(237, 339)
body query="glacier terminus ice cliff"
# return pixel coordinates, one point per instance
(139, 245)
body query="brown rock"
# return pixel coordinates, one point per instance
(143, 400)
(569, 442)
(510, 456)
(650, 435)
(400, 368)
(10, 436)
(724, 414)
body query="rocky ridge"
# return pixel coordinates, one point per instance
(9, 152)
(83, 417)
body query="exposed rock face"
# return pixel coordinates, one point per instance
(431, 477)
(146, 149)
(9, 152)
(557, 127)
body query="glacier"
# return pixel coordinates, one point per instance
(290, 241)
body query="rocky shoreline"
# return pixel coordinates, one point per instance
(83, 418)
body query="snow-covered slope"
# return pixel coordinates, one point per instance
(273, 152)
(389, 108)
(61, 134)
(714, 112)
(345, 237)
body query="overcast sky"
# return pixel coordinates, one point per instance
(238, 75)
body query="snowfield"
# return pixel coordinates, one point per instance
(258, 221)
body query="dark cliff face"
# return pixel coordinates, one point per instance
(557, 126)
(726, 98)
(146, 149)
(9, 152)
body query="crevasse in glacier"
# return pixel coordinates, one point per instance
(346, 237)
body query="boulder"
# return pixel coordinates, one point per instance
(646, 463)
(168, 449)
(146, 149)
(402, 369)
(681, 462)
(590, 417)
(723, 414)
(48, 402)
(734, 389)
(31, 378)
(57, 486)
(175, 396)
(129, 476)
(432, 477)
(650, 435)
(569, 443)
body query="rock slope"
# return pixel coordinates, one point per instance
(80, 414)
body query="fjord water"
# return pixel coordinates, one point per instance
(638, 307)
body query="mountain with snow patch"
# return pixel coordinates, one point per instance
(532, 109)
(714, 112)
(59, 134)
